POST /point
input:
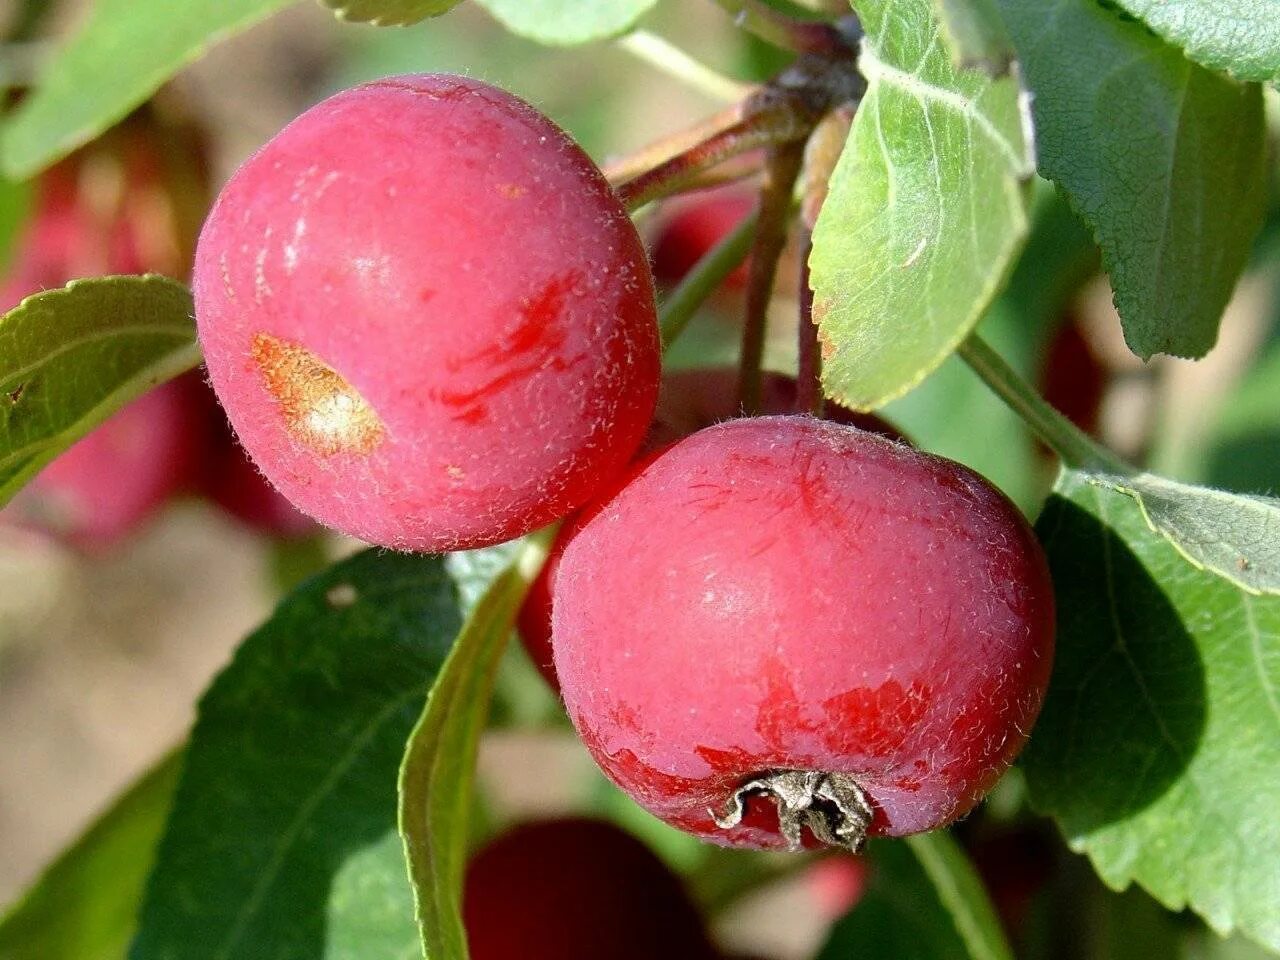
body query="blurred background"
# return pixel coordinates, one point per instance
(115, 613)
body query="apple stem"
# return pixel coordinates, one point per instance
(1075, 447)
(809, 397)
(787, 32)
(782, 169)
(768, 124)
(699, 283)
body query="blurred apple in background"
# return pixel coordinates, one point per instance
(577, 889)
(691, 225)
(1072, 378)
(123, 205)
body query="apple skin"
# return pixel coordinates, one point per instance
(788, 594)
(429, 318)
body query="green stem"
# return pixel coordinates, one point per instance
(1073, 445)
(709, 272)
(661, 54)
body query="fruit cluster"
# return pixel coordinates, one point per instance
(432, 325)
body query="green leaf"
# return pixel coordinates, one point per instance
(439, 765)
(70, 358)
(925, 214)
(291, 769)
(1162, 158)
(120, 56)
(976, 36)
(1234, 535)
(1238, 37)
(390, 13)
(85, 904)
(924, 902)
(568, 22)
(1160, 738)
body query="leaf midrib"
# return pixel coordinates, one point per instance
(878, 71)
(94, 336)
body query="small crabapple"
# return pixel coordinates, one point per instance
(789, 610)
(688, 400)
(577, 889)
(429, 318)
(114, 206)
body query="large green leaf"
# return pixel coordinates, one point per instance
(390, 13)
(1239, 37)
(566, 22)
(120, 56)
(924, 902)
(925, 213)
(85, 905)
(439, 764)
(70, 358)
(1159, 743)
(1162, 158)
(1234, 535)
(291, 771)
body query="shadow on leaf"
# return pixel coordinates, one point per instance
(1126, 706)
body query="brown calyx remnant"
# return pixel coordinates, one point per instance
(831, 805)
(320, 408)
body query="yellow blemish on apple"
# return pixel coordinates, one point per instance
(321, 409)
